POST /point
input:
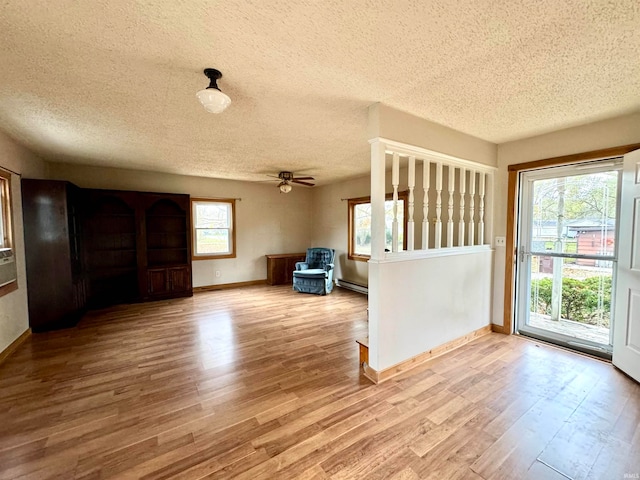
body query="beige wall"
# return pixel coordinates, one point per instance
(615, 132)
(330, 227)
(14, 316)
(402, 127)
(330, 219)
(269, 222)
(266, 220)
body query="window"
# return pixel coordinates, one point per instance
(7, 277)
(360, 225)
(5, 209)
(213, 228)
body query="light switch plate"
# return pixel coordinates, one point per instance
(501, 241)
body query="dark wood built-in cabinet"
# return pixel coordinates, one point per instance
(168, 246)
(140, 248)
(53, 242)
(111, 247)
(280, 267)
(168, 281)
(122, 247)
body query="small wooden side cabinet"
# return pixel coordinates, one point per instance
(280, 267)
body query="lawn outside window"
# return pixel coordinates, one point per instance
(213, 233)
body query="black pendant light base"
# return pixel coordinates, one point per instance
(213, 75)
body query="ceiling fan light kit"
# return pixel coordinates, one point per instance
(287, 178)
(285, 187)
(211, 98)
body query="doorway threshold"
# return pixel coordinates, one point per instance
(598, 353)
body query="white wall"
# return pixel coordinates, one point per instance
(425, 303)
(267, 222)
(14, 316)
(416, 303)
(615, 132)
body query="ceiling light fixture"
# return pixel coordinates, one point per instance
(211, 98)
(285, 187)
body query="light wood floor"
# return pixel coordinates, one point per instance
(263, 383)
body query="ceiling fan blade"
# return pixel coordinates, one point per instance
(295, 180)
(304, 178)
(273, 176)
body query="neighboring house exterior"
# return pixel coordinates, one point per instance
(594, 238)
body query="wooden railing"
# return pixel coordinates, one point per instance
(452, 199)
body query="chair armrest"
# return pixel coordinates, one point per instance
(302, 266)
(329, 266)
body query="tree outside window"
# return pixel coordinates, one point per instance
(360, 225)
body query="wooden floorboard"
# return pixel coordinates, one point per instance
(261, 382)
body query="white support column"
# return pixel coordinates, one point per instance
(472, 208)
(463, 178)
(412, 183)
(395, 181)
(426, 177)
(377, 200)
(438, 222)
(451, 176)
(481, 186)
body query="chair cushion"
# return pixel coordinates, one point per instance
(311, 272)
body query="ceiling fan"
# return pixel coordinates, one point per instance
(287, 178)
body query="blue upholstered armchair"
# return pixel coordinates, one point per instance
(315, 274)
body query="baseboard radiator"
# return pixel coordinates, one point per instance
(341, 282)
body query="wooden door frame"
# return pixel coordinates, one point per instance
(513, 189)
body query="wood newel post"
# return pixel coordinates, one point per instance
(377, 200)
(481, 187)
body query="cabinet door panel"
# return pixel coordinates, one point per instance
(157, 281)
(180, 279)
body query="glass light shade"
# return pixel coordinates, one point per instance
(285, 188)
(213, 100)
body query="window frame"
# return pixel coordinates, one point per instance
(352, 202)
(232, 229)
(7, 240)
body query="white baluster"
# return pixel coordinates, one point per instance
(481, 185)
(426, 167)
(438, 223)
(451, 175)
(472, 207)
(412, 183)
(395, 180)
(463, 178)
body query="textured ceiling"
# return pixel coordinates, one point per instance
(113, 82)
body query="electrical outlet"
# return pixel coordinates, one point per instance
(217, 273)
(501, 241)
